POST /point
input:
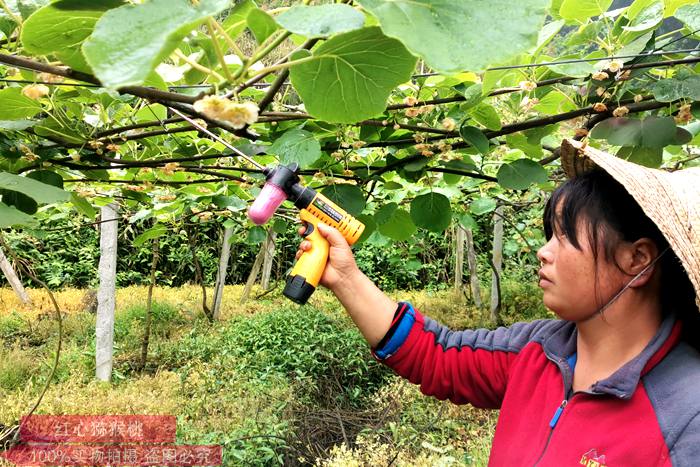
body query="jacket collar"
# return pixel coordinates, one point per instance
(562, 344)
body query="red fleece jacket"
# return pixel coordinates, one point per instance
(645, 414)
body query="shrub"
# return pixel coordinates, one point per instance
(12, 327)
(304, 344)
(16, 368)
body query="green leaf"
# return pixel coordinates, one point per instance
(465, 35)
(689, 15)
(431, 211)
(475, 137)
(23, 202)
(20, 201)
(652, 132)
(128, 42)
(482, 206)
(384, 213)
(232, 203)
(321, 20)
(40, 192)
(693, 128)
(347, 196)
(618, 131)
(520, 174)
(658, 132)
(297, 145)
(392, 186)
(256, 235)
(62, 26)
(555, 102)
(236, 21)
(472, 93)
(46, 176)
(467, 221)
(522, 142)
(673, 5)
(576, 69)
(370, 227)
(351, 75)
(16, 125)
(279, 226)
(547, 33)
(649, 17)
(648, 157)
(7, 22)
(10, 217)
(668, 90)
(637, 7)
(487, 116)
(399, 226)
(16, 106)
(153, 233)
(638, 44)
(581, 10)
(54, 130)
(83, 206)
(261, 25)
(28, 7)
(151, 112)
(451, 179)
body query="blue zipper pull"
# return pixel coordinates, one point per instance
(557, 414)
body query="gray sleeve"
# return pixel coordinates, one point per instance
(686, 450)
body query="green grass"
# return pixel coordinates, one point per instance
(276, 384)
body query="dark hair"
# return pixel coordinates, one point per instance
(612, 215)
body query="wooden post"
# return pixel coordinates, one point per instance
(253, 274)
(221, 274)
(12, 278)
(198, 273)
(496, 263)
(106, 293)
(473, 273)
(149, 305)
(269, 246)
(460, 236)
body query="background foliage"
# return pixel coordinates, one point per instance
(417, 116)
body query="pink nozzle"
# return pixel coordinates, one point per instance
(267, 202)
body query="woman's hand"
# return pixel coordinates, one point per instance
(370, 309)
(341, 262)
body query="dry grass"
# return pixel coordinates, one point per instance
(464, 446)
(187, 299)
(159, 394)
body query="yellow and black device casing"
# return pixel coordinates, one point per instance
(308, 269)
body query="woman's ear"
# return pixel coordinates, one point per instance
(637, 259)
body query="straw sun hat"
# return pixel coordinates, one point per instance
(670, 199)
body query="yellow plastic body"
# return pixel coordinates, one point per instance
(312, 263)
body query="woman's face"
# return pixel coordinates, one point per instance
(574, 286)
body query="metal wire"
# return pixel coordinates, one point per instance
(238, 152)
(581, 60)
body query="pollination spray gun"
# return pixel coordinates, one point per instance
(282, 182)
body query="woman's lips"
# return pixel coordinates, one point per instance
(544, 280)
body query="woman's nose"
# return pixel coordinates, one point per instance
(544, 254)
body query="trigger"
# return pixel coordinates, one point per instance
(309, 229)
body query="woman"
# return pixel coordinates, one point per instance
(614, 382)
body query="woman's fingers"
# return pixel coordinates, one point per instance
(303, 246)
